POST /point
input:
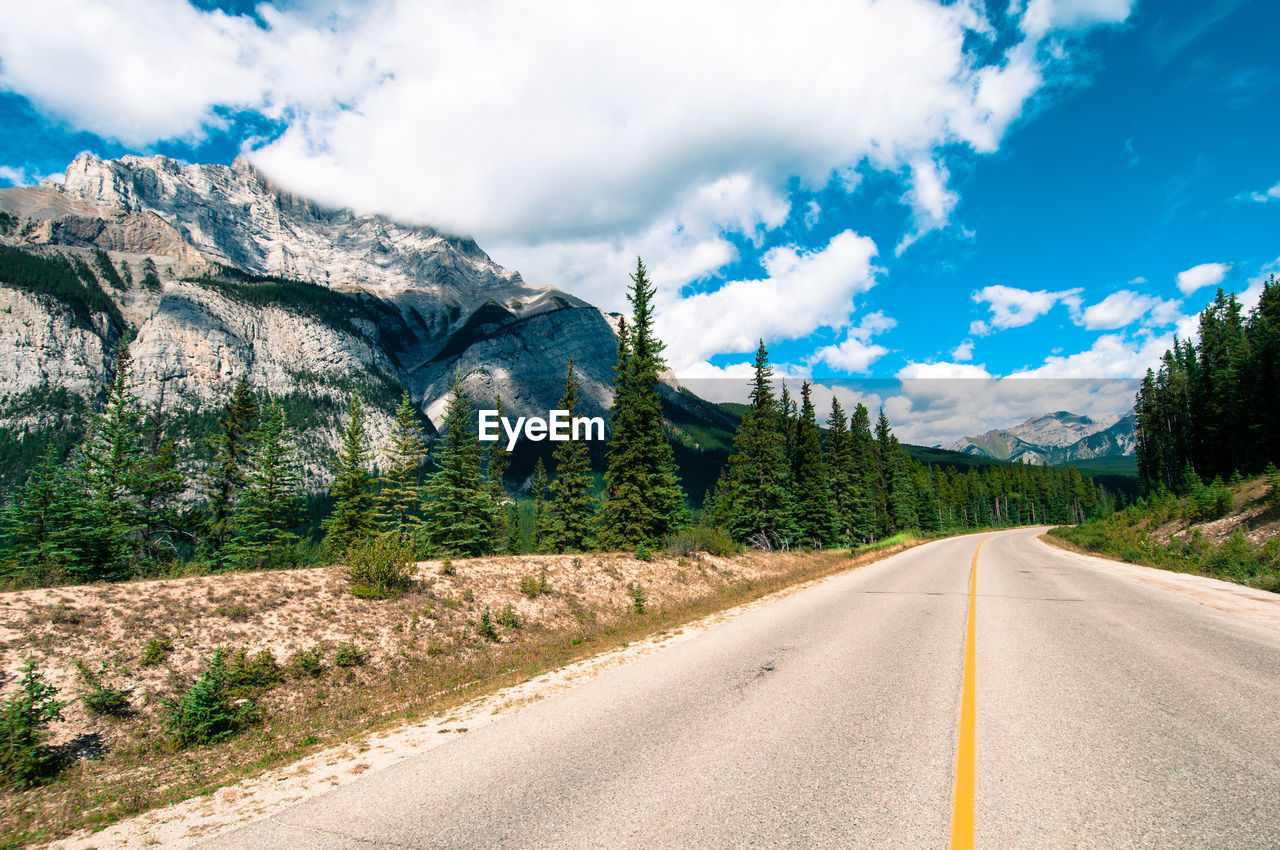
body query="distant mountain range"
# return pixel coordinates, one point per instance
(1054, 439)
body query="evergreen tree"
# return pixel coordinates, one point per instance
(226, 475)
(159, 485)
(571, 507)
(496, 462)
(353, 517)
(812, 493)
(461, 515)
(542, 531)
(643, 499)
(399, 501)
(863, 517)
(106, 518)
(757, 507)
(841, 472)
(36, 521)
(267, 511)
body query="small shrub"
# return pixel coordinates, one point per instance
(307, 663)
(485, 627)
(236, 611)
(204, 713)
(447, 568)
(379, 567)
(350, 655)
(638, 597)
(156, 651)
(468, 595)
(644, 552)
(25, 759)
(701, 538)
(100, 698)
(509, 618)
(249, 675)
(533, 587)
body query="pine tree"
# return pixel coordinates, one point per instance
(841, 473)
(107, 519)
(541, 520)
(36, 521)
(267, 511)
(460, 516)
(757, 507)
(352, 518)
(160, 485)
(643, 498)
(496, 462)
(399, 501)
(571, 507)
(812, 493)
(862, 520)
(226, 475)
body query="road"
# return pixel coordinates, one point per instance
(1108, 713)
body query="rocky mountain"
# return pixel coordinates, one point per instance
(1054, 438)
(218, 273)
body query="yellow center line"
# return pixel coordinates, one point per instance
(962, 812)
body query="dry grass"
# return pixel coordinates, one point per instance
(424, 655)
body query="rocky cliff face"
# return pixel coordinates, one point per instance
(306, 302)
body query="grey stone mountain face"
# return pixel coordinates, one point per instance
(1055, 438)
(400, 305)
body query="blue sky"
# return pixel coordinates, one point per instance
(899, 192)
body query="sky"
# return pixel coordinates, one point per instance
(967, 212)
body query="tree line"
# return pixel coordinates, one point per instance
(121, 506)
(1211, 410)
(788, 483)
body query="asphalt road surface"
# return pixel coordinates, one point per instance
(1108, 713)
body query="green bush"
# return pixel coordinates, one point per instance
(250, 675)
(644, 552)
(485, 627)
(701, 538)
(447, 568)
(100, 698)
(638, 597)
(509, 618)
(307, 663)
(204, 714)
(350, 655)
(379, 567)
(156, 651)
(25, 758)
(533, 587)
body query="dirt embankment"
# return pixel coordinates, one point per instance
(420, 654)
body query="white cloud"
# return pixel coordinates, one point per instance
(1045, 15)
(1110, 356)
(1124, 307)
(1205, 274)
(930, 200)
(812, 214)
(857, 352)
(942, 371)
(802, 291)
(963, 352)
(1013, 308)
(1264, 197)
(569, 120)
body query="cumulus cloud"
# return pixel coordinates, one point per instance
(802, 290)
(1012, 307)
(1205, 274)
(963, 352)
(1124, 307)
(857, 352)
(1110, 356)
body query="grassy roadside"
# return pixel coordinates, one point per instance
(418, 665)
(1232, 533)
